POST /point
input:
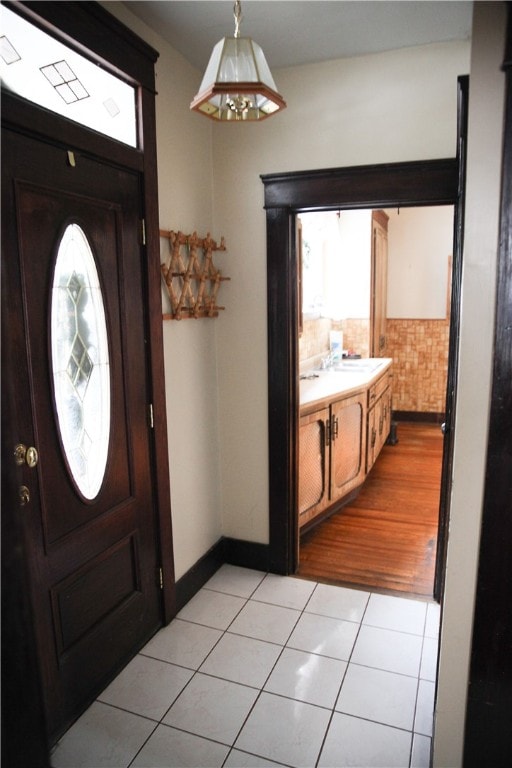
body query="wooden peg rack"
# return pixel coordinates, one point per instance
(190, 276)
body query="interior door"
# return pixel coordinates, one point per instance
(72, 265)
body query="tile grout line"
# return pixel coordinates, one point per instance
(251, 598)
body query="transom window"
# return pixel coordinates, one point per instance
(43, 70)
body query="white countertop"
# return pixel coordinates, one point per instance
(329, 383)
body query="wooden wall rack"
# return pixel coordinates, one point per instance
(190, 276)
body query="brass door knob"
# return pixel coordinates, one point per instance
(32, 457)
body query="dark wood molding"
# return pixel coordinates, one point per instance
(431, 182)
(247, 554)
(197, 576)
(364, 186)
(488, 737)
(453, 342)
(155, 342)
(17, 114)
(419, 416)
(283, 389)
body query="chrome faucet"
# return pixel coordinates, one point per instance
(328, 361)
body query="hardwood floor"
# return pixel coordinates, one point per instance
(386, 537)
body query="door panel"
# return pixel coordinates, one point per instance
(348, 445)
(47, 212)
(92, 563)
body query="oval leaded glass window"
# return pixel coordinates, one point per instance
(80, 361)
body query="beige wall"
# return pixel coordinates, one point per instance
(184, 144)
(420, 248)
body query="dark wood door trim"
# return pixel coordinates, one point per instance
(488, 738)
(453, 344)
(432, 182)
(363, 186)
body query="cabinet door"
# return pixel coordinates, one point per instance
(348, 438)
(313, 464)
(379, 423)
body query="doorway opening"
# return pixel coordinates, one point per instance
(372, 284)
(398, 185)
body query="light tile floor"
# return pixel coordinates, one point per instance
(263, 670)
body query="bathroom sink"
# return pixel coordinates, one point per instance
(357, 366)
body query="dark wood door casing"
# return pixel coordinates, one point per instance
(453, 342)
(431, 182)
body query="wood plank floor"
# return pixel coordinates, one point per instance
(386, 537)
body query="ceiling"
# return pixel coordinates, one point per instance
(294, 32)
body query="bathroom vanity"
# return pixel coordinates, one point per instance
(345, 418)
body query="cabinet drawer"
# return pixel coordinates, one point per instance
(378, 388)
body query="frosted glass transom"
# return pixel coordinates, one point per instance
(80, 361)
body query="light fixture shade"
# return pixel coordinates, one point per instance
(237, 84)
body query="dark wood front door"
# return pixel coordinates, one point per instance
(91, 550)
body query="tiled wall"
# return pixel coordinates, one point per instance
(419, 349)
(314, 340)
(356, 335)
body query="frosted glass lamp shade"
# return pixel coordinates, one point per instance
(237, 84)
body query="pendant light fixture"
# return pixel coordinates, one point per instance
(237, 84)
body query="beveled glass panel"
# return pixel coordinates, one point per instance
(80, 361)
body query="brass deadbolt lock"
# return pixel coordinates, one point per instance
(23, 455)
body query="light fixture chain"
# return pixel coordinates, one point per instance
(237, 10)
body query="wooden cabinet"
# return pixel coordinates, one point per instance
(332, 453)
(379, 417)
(340, 437)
